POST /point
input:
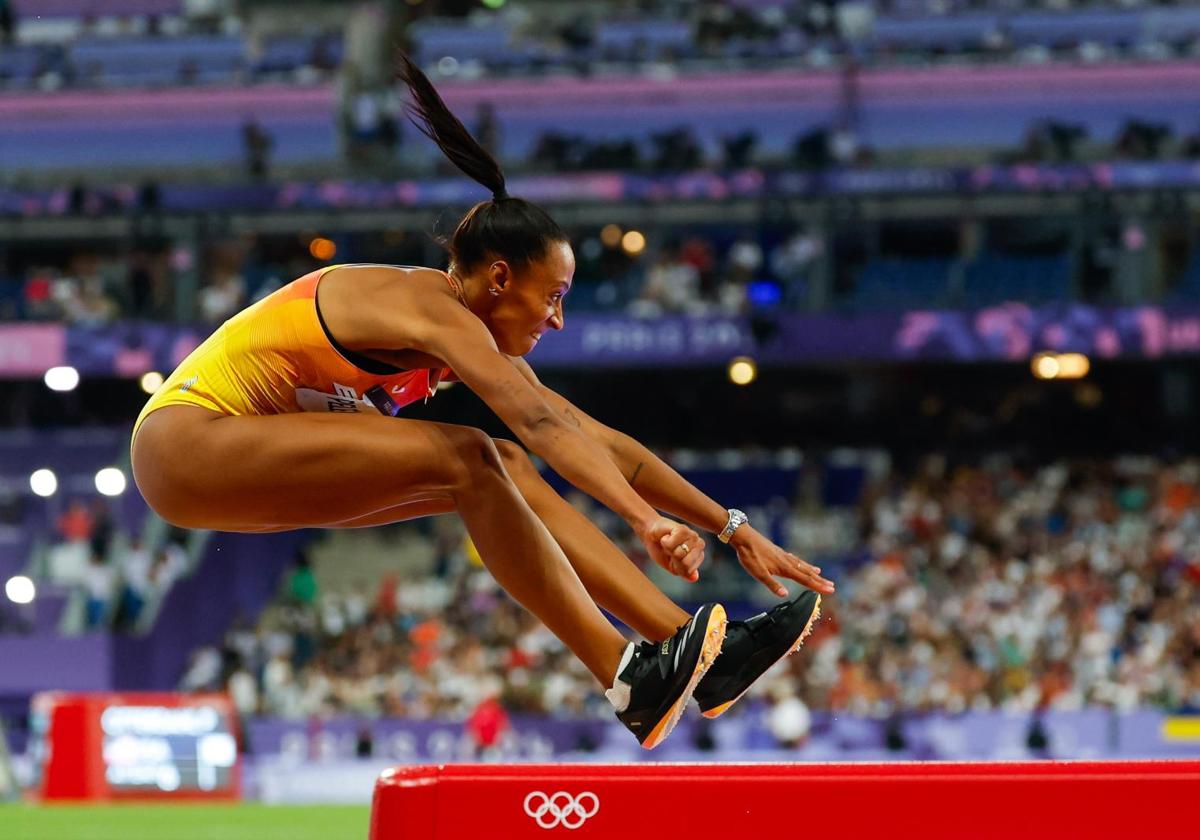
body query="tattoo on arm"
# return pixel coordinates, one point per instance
(633, 477)
(570, 415)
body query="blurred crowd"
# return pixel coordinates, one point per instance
(821, 32)
(439, 646)
(120, 579)
(553, 39)
(698, 270)
(723, 271)
(993, 585)
(1002, 586)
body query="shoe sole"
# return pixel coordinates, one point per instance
(714, 637)
(717, 711)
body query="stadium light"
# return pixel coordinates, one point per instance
(610, 235)
(633, 242)
(152, 380)
(20, 589)
(1060, 365)
(110, 481)
(64, 378)
(742, 370)
(1073, 366)
(1045, 366)
(43, 482)
(322, 249)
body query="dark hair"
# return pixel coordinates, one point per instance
(509, 228)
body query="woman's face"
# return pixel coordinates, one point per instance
(529, 301)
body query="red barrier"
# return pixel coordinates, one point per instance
(1059, 799)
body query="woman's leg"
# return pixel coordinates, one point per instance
(610, 576)
(200, 469)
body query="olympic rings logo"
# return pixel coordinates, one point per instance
(561, 808)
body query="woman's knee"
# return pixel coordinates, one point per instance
(515, 458)
(476, 457)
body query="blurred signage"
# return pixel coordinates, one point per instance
(1007, 332)
(31, 349)
(101, 745)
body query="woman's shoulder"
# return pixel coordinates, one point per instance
(384, 270)
(366, 283)
(371, 303)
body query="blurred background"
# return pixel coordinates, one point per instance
(914, 283)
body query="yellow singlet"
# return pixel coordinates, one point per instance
(276, 356)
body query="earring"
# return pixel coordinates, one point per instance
(494, 291)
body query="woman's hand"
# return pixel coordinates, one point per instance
(677, 548)
(765, 561)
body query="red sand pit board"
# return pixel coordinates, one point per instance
(1057, 799)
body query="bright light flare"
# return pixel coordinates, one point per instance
(63, 378)
(742, 370)
(43, 482)
(20, 589)
(110, 481)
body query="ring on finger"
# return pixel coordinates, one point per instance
(682, 549)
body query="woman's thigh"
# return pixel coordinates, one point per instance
(200, 469)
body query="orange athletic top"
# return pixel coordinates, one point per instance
(277, 356)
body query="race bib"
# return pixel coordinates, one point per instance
(343, 400)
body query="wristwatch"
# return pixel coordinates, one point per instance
(736, 520)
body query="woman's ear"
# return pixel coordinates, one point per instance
(498, 275)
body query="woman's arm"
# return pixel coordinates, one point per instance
(664, 488)
(433, 322)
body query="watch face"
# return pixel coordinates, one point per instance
(736, 519)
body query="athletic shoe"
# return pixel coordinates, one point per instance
(661, 676)
(751, 647)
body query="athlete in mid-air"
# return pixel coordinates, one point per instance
(285, 418)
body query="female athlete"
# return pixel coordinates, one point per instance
(285, 418)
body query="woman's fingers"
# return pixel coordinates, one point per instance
(770, 582)
(686, 550)
(806, 574)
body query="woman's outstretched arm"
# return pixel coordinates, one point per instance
(666, 490)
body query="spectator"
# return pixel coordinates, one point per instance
(8, 23)
(487, 723)
(204, 671)
(301, 582)
(102, 527)
(134, 567)
(257, 143)
(788, 719)
(223, 297)
(487, 128)
(672, 285)
(99, 583)
(170, 562)
(76, 523)
(243, 691)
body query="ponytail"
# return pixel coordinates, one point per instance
(430, 115)
(506, 228)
